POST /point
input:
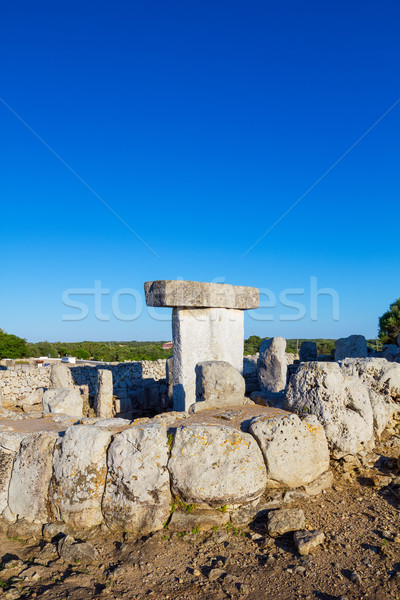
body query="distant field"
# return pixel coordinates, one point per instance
(120, 351)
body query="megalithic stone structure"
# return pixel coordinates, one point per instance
(207, 324)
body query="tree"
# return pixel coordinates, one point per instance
(389, 324)
(12, 346)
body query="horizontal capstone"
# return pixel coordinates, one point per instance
(200, 294)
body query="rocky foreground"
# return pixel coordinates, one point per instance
(355, 553)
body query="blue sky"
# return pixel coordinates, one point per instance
(199, 124)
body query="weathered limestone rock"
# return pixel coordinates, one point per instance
(32, 399)
(200, 294)
(218, 384)
(201, 520)
(295, 451)
(342, 405)
(60, 376)
(79, 475)
(272, 366)
(286, 519)
(170, 380)
(215, 465)
(72, 551)
(323, 482)
(354, 346)
(391, 352)
(308, 351)
(137, 496)
(10, 442)
(306, 541)
(207, 324)
(28, 493)
(383, 380)
(103, 401)
(67, 401)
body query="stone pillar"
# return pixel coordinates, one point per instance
(103, 401)
(207, 324)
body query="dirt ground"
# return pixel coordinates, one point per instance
(360, 557)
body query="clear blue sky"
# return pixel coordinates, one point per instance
(200, 124)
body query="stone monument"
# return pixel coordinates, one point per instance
(207, 324)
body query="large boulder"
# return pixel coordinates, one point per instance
(67, 401)
(137, 496)
(79, 475)
(342, 404)
(215, 465)
(308, 351)
(218, 384)
(272, 366)
(28, 493)
(60, 376)
(103, 400)
(383, 381)
(391, 352)
(10, 442)
(295, 451)
(354, 346)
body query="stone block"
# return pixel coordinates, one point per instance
(199, 294)
(272, 366)
(201, 335)
(103, 401)
(354, 346)
(308, 351)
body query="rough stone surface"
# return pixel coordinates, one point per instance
(63, 400)
(219, 384)
(199, 294)
(354, 346)
(9, 446)
(383, 380)
(295, 451)
(308, 351)
(306, 541)
(60, 377)
(201, 335)
(342, 404)
(31, 399)
(103, 401)
(72, 551)
(79, 475)
(272, 366)
(200, 520)
(323, 482)
(137, 496)
(391, 352)
(28, 494)
(213, 465)
(286, 519)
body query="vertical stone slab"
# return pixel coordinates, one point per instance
(28, 494)
(103, 401)
(9, 445)
(199, 335)
(79, 475)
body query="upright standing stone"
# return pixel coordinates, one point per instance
(207, 324)
(169, 368)
(60, 376)
(354, 346)
(103, 401)
(272, 366)
(308, 351)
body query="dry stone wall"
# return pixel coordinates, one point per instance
(17, 381)
(146, 474)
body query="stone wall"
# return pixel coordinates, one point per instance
(141, 476)
(17, 381)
